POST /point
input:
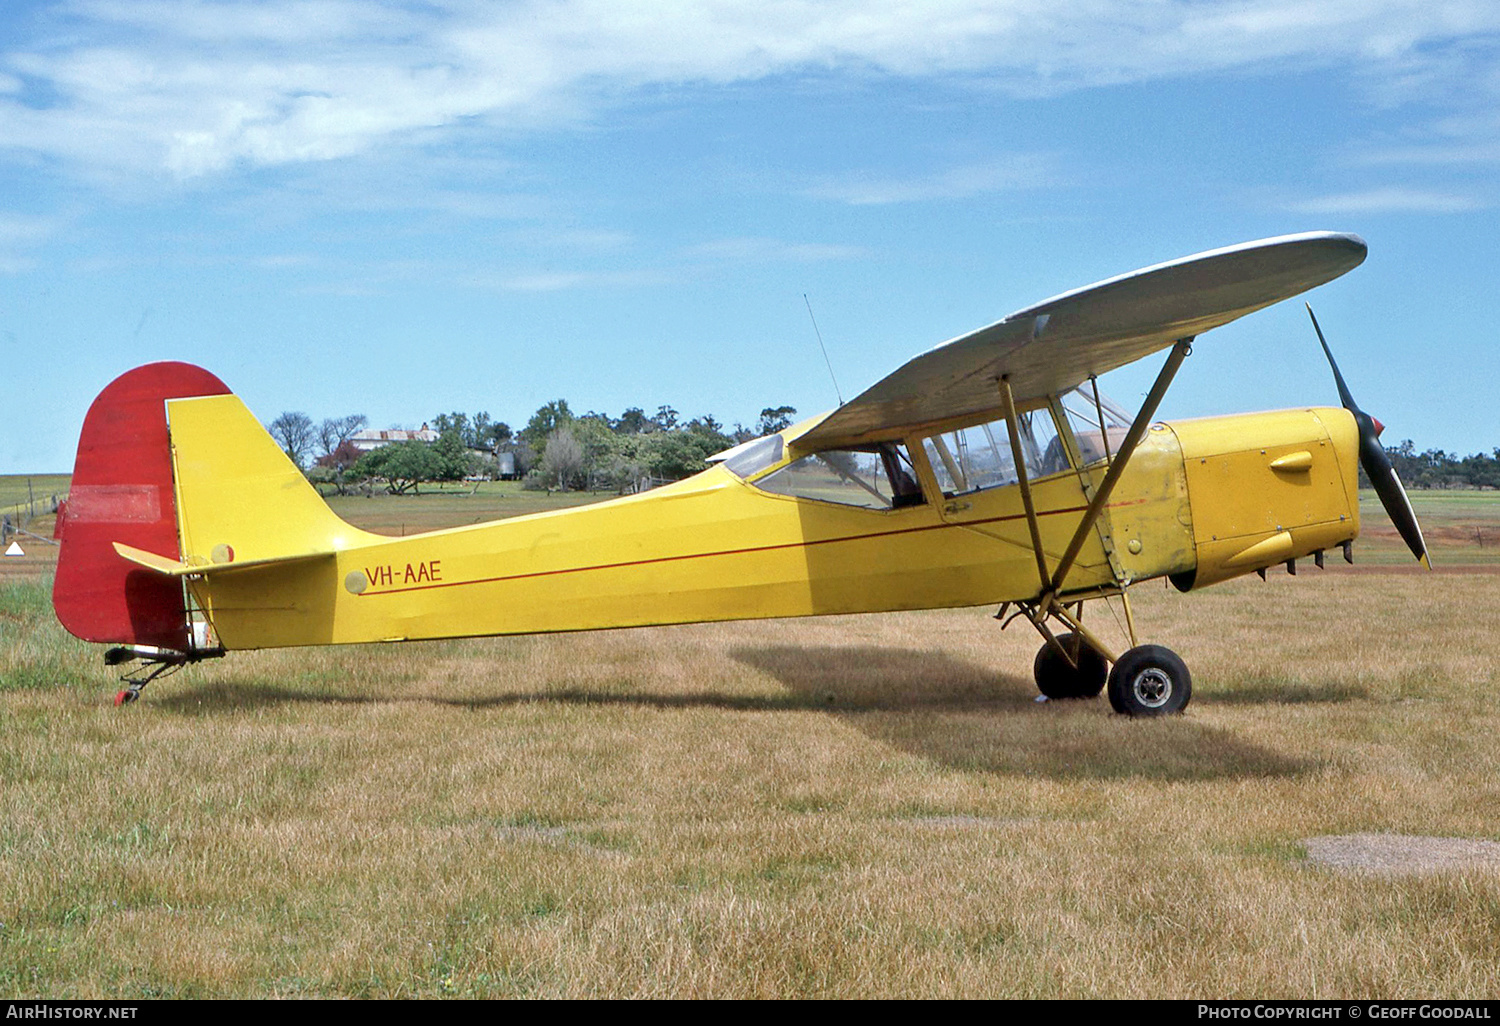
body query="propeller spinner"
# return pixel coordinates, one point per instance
(1372, 456)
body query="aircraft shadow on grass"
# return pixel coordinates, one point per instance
(944, 709)
(877, 680)
(926, 703)
(1274, 692)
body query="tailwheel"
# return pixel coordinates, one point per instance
(1080, 673)
(155, 662)
(1150, 680)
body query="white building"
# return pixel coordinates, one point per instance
(366, 440)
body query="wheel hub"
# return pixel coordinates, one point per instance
(1152, 687)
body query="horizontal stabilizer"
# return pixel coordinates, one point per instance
(177, 568)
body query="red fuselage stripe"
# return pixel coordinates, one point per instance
(726, 552)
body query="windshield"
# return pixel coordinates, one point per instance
(748, 459)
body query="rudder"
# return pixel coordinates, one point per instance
(123, 491)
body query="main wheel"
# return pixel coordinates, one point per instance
(1150, 680)
(1056, 679)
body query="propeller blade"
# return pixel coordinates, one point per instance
(1377, 463)
(1338, 379)
(1393, 498)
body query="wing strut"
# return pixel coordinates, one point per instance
(1179, 352)
(1046, 605)
(1019, 459)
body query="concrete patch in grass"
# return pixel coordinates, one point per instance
(1402, 853)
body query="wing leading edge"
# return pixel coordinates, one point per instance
(1052, 346)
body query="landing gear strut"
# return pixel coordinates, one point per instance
(155, 662)
(1071, 668)
(1147, 680)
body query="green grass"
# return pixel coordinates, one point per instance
(849, 806)
(13, 489)
(1461, 527)
(452, 506)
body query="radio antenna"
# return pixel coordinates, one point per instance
(824, 348)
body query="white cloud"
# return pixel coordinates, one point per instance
(1441, 154)
(25, 229)
(193, 88)
(559, 281)
(762, 250)
(1387, 200)
(19, 234)
(1022, 171)
(686, 264)
(283, 261)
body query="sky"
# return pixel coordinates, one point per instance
(401, 209)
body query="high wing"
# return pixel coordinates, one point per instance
(1050, 347)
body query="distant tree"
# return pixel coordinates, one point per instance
(774, 419)
(403, 466)
(665, 419)
(563, 459)
(677, 454)
(342, 458)
(294, 432)
(524, 454)
(544, 422)
(600, 445)
(406, 466)
(455, 461)
(632, 422)
(627, 464)
(489, 434)
(335, 431)
(336, 467)
(1481, 471)
(446, 423)
(1435, 468)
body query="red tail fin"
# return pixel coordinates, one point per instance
(122, 491)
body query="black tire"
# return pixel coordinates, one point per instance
(1056, 679)
(1150, 680)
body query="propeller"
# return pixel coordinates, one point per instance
(1372, 456)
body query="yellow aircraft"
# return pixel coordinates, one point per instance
(988, 470)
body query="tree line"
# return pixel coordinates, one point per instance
(560, 450)
(1438, 469)
(555, 450)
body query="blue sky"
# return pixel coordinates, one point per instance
(404, 208)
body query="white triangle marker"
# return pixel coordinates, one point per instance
(14, 550)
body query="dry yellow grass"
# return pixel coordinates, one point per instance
(867, 806)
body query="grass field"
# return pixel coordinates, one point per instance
(453, 506)
(15, 493)
(1461, 528)
(851, 806)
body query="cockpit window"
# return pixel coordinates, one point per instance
(974, 458)
(1093, 435)
(875, 477)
